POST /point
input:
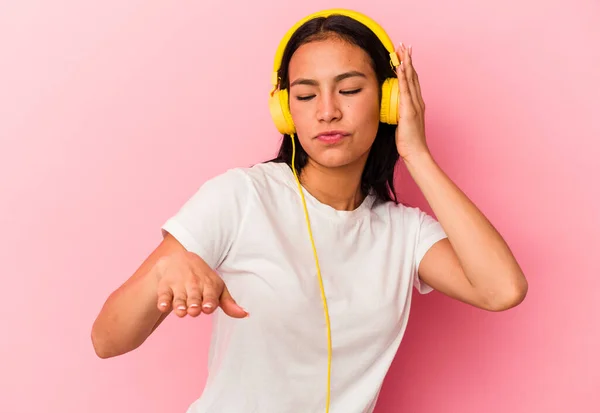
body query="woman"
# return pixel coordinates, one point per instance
(241, 244)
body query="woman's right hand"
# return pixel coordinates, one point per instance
(188, 286)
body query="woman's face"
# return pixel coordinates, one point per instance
(334, 89)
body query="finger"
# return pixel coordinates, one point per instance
(405, 101)
(213, 287)
(410, 76)
(179, 301)
(194, 298)
(230, 307)
(417, 85)
(165, 297)
(419, 94)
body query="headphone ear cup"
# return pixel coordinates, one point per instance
(389, 101)
(280, 112)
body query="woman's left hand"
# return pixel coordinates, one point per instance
(410, 133)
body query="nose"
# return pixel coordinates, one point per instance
(328, 108)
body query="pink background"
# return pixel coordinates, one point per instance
(112, 113)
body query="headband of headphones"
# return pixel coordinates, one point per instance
(370, 23)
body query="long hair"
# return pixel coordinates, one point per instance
(378, 174)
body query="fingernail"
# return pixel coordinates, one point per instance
(193, 305)
(163, 304)
(207, 305)
(181, 307)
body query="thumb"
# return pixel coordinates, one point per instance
(230, 307)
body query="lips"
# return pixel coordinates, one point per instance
(332, 136)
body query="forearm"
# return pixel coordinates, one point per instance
(128, 317)
(485, 257)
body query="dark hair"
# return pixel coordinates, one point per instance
(378, 175)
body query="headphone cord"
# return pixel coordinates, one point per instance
(329, 350)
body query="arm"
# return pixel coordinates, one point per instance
(474, 264)
(179, 272)
(130, 314)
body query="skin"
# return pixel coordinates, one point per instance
(474, 265)
(320, 102)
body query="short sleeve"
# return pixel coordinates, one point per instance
(429, 232)
(209, 221)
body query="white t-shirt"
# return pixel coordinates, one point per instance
(249, 225)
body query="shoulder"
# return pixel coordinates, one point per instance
(400, 213)
(241, 187)
(257, 175)
(259, 179)
(267, 174)
(410, 222)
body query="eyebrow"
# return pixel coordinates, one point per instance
(338, 78)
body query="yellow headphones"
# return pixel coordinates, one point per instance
(278, 99)
(280, 112)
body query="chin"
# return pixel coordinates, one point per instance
(335, 160)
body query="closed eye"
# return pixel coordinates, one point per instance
(343, 92)
(351, 92)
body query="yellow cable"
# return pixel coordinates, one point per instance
(319, 275)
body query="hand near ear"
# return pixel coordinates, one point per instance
(410, 133)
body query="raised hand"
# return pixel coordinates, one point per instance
(410, 133)
(188, 286)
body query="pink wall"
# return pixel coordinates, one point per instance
(112, 113)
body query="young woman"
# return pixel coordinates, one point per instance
(307, 262)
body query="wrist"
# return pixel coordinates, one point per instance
(418, 158)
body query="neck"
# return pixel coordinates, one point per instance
(337, 187)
